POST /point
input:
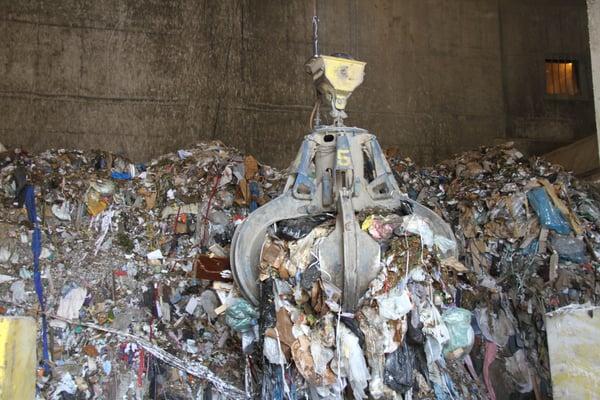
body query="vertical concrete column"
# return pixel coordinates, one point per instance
(594, 28)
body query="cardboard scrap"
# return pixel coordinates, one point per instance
(453, 263)
(96, 206)
(273, 256)
(306, 364)
(243, 193)
(149, 197)
(69, 306)
(251, 167)
(543, 240)
(558, 203)
(284, 329)
(553, 274)
(90, 350)
(474, 168)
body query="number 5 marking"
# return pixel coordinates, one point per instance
(343, 158)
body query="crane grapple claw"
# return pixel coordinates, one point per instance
(341, 171)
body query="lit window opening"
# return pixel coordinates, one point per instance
(561, 77)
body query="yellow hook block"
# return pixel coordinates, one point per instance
(336, 77)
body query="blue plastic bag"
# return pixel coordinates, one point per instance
(532, 248)
(120, 175)
(549, 216)
(570, 249)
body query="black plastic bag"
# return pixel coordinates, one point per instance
(352, 324)
(414, 335)
(399, 367)
(268, 318)
(309, 277)
(297, 228)
(20, 179)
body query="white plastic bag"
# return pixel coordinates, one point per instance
(394, 305)
(321, 356)
(353, 362)
(272, 351)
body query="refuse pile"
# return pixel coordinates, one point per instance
(432, 325)
(140, 300)
(529, 233)
(137, 249)
(403, 340)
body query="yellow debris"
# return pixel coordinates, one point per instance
(367, 223)
(17, 358)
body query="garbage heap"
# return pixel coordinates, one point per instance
(127, 250)
(406, 337)
(430, 326)
(141, 303)
(529, 234)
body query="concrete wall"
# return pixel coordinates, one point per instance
(145, 77)
(594, 24)
(533, 31)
